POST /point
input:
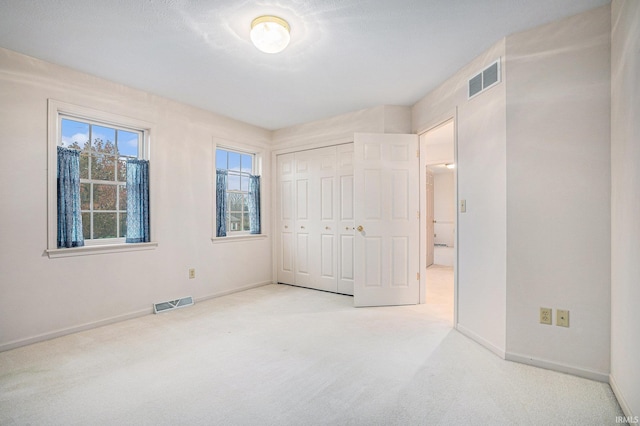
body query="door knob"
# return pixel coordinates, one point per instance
(360, 228)
(327, 228)
(302, 227)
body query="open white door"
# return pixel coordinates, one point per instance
(387, 243)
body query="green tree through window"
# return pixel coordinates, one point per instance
(103, 160)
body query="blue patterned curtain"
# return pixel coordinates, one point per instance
(221, 203)
(138, 201)
(69, 210)
(254, 204)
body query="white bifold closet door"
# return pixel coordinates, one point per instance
(315, 215)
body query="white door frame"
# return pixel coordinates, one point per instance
(423, 231)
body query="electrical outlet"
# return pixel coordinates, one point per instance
(192, 273)
(463, 206)
(545, 316)
(562, 318)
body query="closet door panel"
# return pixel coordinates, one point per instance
(325, 220)
(345, 218)
(285, 217)
(305, 271)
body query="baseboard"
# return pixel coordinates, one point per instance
(233, 290)
(481, 340)
(621, 399)
(76, 329)
(556, 366)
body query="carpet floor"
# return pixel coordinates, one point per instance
(282, 355)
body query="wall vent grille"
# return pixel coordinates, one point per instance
(172, 304)
(485, 79)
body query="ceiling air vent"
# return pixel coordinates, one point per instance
(172, 304)
(489, 77)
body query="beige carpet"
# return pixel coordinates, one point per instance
(281, 355)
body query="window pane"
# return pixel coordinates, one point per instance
(221, 159)
(84, 166)
(74, 134)
(235, 221)
(104, 225)
(104, 197)
(233, 182)
(235, 202)
(103, 139)
(244, 183)
(128, 143)
(103, 167)
(123, 225)
(122, 169)
(123, 197)
(85, 197)
(86, 226)
(234, 161)
(245, 222)
(247, 163)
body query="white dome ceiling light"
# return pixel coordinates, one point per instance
(270, 34)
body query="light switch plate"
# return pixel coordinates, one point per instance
(463, 206)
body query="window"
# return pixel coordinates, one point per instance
(98, 182)
(237, 193)
(104, 151)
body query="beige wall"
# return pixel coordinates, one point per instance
(558, 191)
(533, 167)
(42, 297)
(481, 160)
(340, 129)
(625, 203)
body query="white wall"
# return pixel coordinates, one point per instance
(625, 203)
(481, 150)
(558, 191)
(444, 207)
(42, 297)
(340, 129)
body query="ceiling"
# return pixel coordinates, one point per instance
(344, 55)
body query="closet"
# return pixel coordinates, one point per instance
(315, 218)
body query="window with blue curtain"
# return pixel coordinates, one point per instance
(221, 203)
(138, 201)
(69, 211)
(254, 204)
(237, 194)
(103, 184)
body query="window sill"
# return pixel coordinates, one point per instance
(233, 238)
(99, 249)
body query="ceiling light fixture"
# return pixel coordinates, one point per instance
(450, 166)
(270, 34)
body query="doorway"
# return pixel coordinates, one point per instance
(438, 213)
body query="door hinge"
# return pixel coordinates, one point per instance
(418, 153)
(418, 214)
(418, 276)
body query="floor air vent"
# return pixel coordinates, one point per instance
(172, 304)
(489, 77)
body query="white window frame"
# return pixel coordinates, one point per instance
(56, 111)
(258, 156)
